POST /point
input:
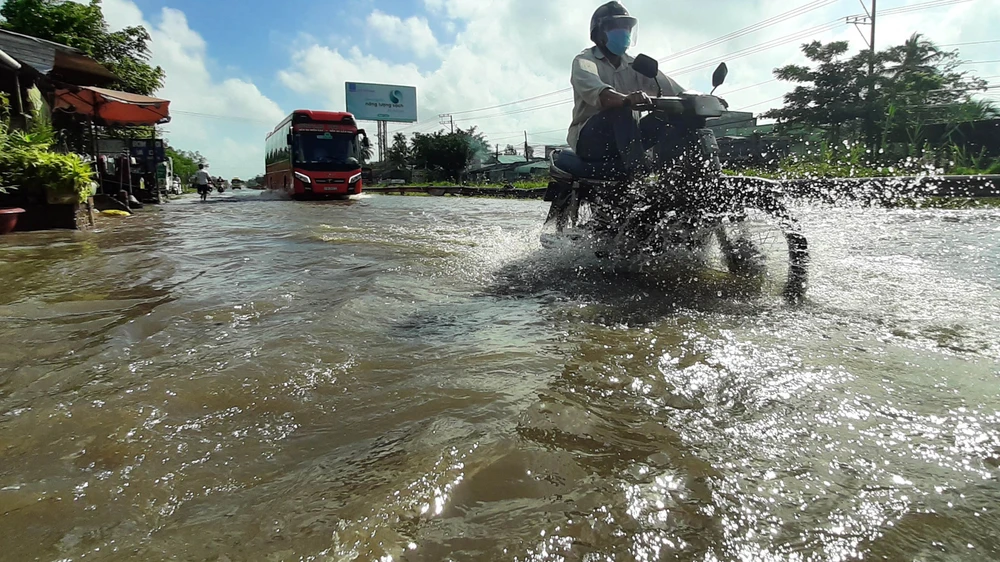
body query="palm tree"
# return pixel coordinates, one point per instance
(916, 56)
(366, 152)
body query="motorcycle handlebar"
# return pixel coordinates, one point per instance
(668, 104)
(678, 105)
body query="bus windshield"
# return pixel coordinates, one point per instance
(322, 149)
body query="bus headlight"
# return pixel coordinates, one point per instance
(302, 177)
(354, 178)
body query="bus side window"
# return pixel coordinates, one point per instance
(284, 139)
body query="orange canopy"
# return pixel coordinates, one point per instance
(108, 107)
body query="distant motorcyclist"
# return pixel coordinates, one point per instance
(606, 89)
(203, 181)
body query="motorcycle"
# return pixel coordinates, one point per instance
(687, 203)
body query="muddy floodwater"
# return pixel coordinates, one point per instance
(415, 378)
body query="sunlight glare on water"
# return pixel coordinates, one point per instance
(415, 378)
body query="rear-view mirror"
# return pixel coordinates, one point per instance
(719, 76)
(646, 65)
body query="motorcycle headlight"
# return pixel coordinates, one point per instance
(302, 177)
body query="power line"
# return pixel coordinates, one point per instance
(529, 132)
(519, 111)
(730, 92)
(737, 54)
(785, 16)
(814, 5)
(512, 102)
(970, 43)
(752, 50)
(923, 6)
(755, 49)
(220, 117)
(761, 47)
(782, 96)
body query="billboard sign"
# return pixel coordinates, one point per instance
(382, 102)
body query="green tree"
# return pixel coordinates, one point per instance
(125, 52)
(916, 56)
(446, 155)
(921, 85)
(366, 151)
(185, 163)
(830, 95)
(399, 153)
(917, 84)
(477, 142)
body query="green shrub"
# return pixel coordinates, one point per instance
(4, 130)
(27, 162)
(33, 167)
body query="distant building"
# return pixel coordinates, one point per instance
(504, 168)
(723, 126)
(533, 170)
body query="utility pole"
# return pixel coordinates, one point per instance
(447, 119)
(526, 146)
(871, 84)
(869, 19)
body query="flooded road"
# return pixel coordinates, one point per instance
(413, 378)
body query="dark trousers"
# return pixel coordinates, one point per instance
(620, 134)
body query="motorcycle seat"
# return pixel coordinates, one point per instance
(570, 164)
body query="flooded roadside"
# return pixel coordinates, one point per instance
(416, 378)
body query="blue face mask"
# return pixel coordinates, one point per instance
(619, 40)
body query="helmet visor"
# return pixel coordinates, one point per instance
(627, 23)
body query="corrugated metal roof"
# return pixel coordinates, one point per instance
(36, 53)
(510, 159)
(527, 168)
(45, 56)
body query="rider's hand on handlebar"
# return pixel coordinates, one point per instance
(639, 99)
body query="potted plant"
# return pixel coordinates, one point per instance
(8, 215)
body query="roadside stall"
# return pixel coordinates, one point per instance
(128, 165)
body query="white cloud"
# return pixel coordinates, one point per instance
(413, 33)
(502, 51)
(201, 104)
(459, 9)
(509, 50)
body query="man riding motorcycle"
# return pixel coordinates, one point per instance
(606, 89)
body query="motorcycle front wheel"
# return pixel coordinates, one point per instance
(766, 245)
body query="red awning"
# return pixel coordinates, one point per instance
(108, 107)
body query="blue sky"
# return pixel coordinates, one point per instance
(235, 67)
(251, 38)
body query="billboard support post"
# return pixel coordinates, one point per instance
(383, 139)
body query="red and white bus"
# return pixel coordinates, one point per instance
(315, 154)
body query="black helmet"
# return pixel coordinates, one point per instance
(608, 13)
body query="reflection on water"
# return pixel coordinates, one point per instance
(415, 379)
